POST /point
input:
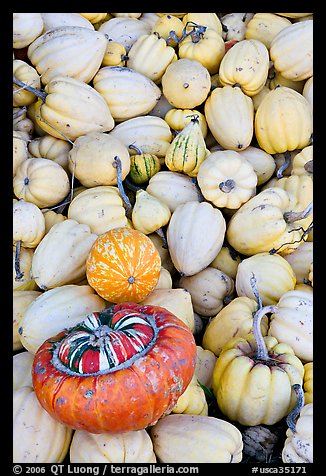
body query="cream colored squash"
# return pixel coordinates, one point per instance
(71, 108)
(92, 159)
(192, 401)
(292, 51)
(308, 91)
(55, 310)
(26, 28)
(149, 18)
(210, 20)
(207, 47)
(227, 261)
(127, 92)
(263, 164)
(38, 438)
(264, 27)
(27, 283)
(205, 363)
(161, 108)
(293, 323)
(149, 213)
(235, 25)
(150, 55)
(173, 188)
(115, 54)
(165, 24)
(177, 119)
(300, 261)
(55, 20)
(60, 258)
(226, 179)
(234, 320)
(308, 383)
(196, 439)
(28, 224)
(21, 122)
(101, 208)
(186, 83)
(274, 276)
(176, 300)
(246, 64)
(164, 280)
(21, 300)
(124, 30)
(210, 289)
(195, 235)
(151, 134)
(127, 15)
(276, 79)
(229, 114)
(41, 181)
(52, 148)
(27, 74)
(267, 223)
(22, 370)
(303, 162)
(257, 98)
(20, 149)
(51, 218)
(129, 447)
(71, 51)
(298, 446)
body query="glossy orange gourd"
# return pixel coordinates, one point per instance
(119, 370)
(123, 265)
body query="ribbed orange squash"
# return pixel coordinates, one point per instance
(123, 265)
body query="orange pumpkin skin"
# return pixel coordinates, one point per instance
(145, 388)
(123, 265)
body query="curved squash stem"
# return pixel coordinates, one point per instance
(37, 92)
(290, 217)
(294, 413)
(117, 164)
(161, 234)
(308, 166)
(262, 352)
(19, 274)
(284, 166)
(136, 148)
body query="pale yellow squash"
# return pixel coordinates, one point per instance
(149, 213)
(101, 208)
(22, 370)
(55, 20)
(192, 401)
(308, 383)
(26, 28)
(300, 261)
(21, 300)
(210, 289)
(60, 258)
(246, 64)
(55, 310)
(27, 74)
(227, 261)
(229, 113)
(226, 179)
(71, 51)
(274, 276)
(263, 164)
(235, 26)
(264, 27)
(26, 283)
(195, 235)
(205, 362)
(129, 447)
(125, 31)
(28, 224)
(38, 438)
(52, 148)
(20, 149)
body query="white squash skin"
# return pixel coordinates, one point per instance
(71, 51)
(292, 323)
(22, 370)
(21, 301)
(28, 224)
(208, 288)
(129, 447)
(195, 235)
(69, 242)
(173, 188)
(205, 363)
(298, 447)
(38, 437)
(196, 439)
(55, 310)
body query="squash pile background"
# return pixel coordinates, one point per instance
(215, 132)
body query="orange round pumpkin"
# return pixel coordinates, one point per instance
(123, 265)
(121, 369)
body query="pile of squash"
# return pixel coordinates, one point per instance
(162, 237)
